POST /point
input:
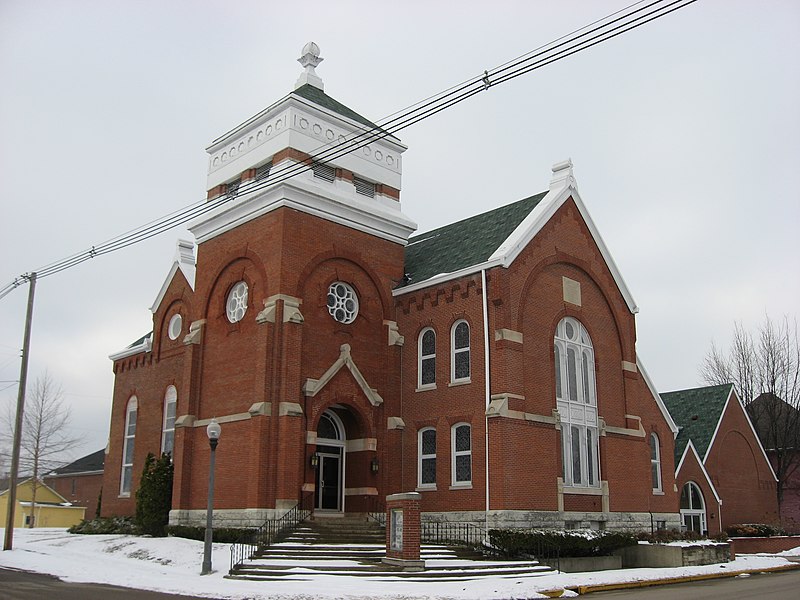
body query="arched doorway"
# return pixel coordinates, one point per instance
(693, 508)
(330, 469)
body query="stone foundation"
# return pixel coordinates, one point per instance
(243, 518)
(525, 519)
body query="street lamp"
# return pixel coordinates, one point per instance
(213, 430)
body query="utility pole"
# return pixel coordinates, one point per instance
(23, 377)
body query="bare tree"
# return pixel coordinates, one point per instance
(45, 432)
(765, 368)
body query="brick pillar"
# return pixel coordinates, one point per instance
(403, 531)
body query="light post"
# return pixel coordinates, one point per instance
(213, 430)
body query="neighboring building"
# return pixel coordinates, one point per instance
(778, 426)
(723, 472)
(490, 364)
(51, 508)
(80, 481)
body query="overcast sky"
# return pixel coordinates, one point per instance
(685, 135)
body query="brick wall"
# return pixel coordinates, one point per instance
(80, 490)
(768, 545)
(740, 472)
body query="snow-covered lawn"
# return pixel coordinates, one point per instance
(173, 565)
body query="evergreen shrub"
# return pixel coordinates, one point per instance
(223, 535)
(753, 530)
(545, 543)
(154, 496)
(103, 525)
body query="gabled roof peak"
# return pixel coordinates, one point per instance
(563, 177)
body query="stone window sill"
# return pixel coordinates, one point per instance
(461, 486)
(426, 488)
(459, 382)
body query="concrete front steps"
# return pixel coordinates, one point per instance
(353, 546)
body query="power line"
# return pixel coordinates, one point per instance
(581, 39)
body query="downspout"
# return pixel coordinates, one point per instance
(488, 387)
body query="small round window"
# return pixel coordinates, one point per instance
(342, 302)
(175, 325)
(236, 305)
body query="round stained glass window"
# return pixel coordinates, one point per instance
(236, 305)
(342, 302)
(174, 329)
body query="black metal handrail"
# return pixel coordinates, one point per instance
(452, 533)
(548, 551)
(376, 510)
(273, 529)
(537, 548)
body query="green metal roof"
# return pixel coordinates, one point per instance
(464, 243)
(696, 412)
(317, 96)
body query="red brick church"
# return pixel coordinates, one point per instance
(489, 365)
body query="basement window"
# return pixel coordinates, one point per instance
(325, 172)
(364, 187)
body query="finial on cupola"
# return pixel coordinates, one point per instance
(310, 58)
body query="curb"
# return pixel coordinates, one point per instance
(588, 589)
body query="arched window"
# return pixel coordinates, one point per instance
(576, 399)
(127, 447)
(168, 432)
(693, 508)
(427, 458)
(427, 358)
(459, 354)
(328, 427)
(461, 468)
(655, 462)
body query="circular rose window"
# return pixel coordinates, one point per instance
(342, 302)
(236, 305)
(175, 325)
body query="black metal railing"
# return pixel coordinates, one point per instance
(452, 533)
(548, 551)
(271, 531)
(376, 510)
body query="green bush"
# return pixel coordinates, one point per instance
(154, 496)
(753, 530)
(665, 536)
(101, 525)
(223, 535)
(543, 543)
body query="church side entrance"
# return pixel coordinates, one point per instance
(330, 471)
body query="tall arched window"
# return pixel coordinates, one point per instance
(461, 468)
(576, 399)
(427, 358)
(127, 447)
(168, 432)
(427, 458)
(459, 354)
(693, 508)
(655, 462)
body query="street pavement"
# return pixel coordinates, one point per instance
(21, 585)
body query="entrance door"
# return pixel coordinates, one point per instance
(330, 469)
(329, 484)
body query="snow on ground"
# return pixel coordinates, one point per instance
(173, 565)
